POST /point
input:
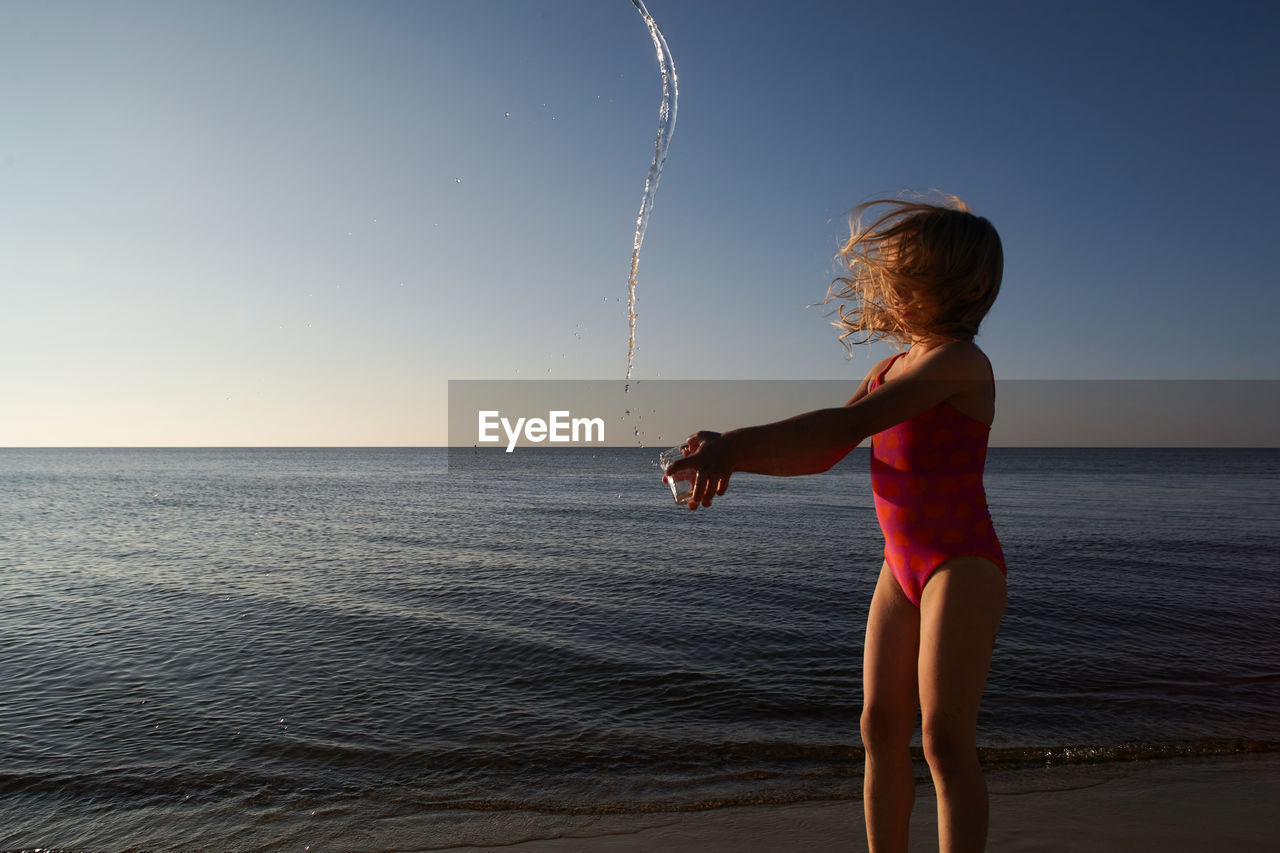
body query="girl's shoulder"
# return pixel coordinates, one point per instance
(955, 360)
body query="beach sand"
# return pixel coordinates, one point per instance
(1169, 806)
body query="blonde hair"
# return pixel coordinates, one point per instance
(915, 247)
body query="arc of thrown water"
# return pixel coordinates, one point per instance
(666, 128)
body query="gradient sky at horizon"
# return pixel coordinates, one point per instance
(290, 223)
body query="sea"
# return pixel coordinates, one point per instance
(415, 649)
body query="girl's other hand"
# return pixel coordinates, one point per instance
(706, 459)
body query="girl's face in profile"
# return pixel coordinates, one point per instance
(921, 305)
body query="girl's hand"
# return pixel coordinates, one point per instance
(707, 460)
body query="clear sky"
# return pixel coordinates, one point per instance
(266, 223)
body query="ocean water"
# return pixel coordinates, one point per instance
(328, 649)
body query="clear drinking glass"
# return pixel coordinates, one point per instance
(680, 489)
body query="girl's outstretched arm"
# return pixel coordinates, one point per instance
(812, 442)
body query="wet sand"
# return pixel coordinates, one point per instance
(1161, 806)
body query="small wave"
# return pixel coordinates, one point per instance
(770, 798)
(1098, 754)
(788, 787)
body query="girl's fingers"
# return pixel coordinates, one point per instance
(692, 502)
(705, 488)
(710, 491)
(705, 485)
(701, 488)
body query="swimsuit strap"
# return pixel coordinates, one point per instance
(880, 378)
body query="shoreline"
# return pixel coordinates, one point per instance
(1174, 805)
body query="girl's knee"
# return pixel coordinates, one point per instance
(948, 745)
(886, 727)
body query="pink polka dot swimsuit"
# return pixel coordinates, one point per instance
(926, 474)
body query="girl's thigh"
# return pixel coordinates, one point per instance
(960, 612)
(889, 654)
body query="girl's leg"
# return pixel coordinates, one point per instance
(959, 614)
(889, 705)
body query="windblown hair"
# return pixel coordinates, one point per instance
(919, 269)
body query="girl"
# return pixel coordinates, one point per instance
(924, 275)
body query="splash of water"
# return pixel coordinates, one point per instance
(666, 127)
